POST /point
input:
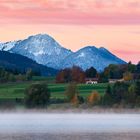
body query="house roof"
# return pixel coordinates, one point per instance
(91, 79)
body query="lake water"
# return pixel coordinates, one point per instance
(68, 123)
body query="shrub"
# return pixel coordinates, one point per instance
(37, 95)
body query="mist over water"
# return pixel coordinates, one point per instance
(68, 123)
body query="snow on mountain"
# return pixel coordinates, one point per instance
(8, 45)
(91, 56)
(43, 49)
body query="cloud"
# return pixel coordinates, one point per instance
(70, 11)
(127, 52)
(135, 32)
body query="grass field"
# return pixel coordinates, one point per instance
(16, 90)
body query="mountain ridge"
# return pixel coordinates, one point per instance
(9, 61)
(45, 50)
(91, 56)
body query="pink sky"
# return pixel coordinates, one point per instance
(114, 24)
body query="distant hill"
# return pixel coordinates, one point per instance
(21, 63)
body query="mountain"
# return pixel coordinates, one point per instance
(8, 45)
(43, 49)
(21, 63)
(91, 56)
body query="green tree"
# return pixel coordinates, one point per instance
(12, 78)
(138, 67)
(29, 74)
(109, 90)
(37, 95)
(113, 72)
(138, 101)
(119, 91)
(131, 95)
(91, 72)
(131, 67)
(138, 88)
(108, 97)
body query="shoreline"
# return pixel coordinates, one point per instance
(93, 110)
(78, 136)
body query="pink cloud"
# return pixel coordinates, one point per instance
(128, 55)
(127, 52)
(70, 11)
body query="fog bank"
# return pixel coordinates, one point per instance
(68, 123)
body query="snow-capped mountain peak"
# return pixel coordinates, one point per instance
(7, 45)
(91, 56)
(43, 49)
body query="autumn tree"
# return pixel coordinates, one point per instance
(78, 74)
(94, 98)
(75, 74)
(60, 77)
(127, 76)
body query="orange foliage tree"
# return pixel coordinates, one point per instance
(74, 74)
(94, 98)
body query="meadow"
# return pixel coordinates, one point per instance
(16, 90)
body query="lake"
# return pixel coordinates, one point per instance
(68, 123)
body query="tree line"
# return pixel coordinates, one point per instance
(128, 72)
(120, 94)
(124, 94)
(9, 76)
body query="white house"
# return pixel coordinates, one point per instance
(91, 80)
(115, 80)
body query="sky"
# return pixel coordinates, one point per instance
(113, 24)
